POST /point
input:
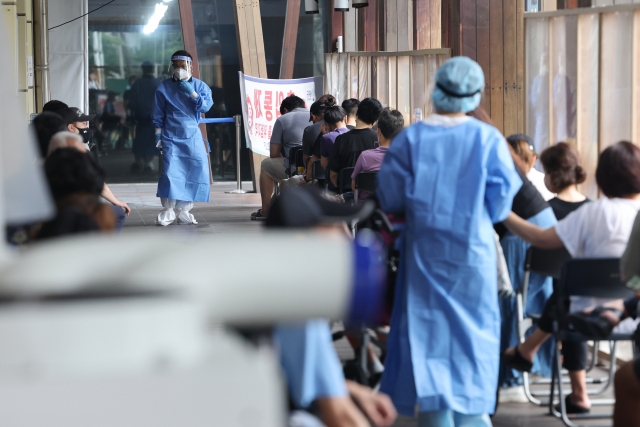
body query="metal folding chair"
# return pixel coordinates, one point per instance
(596, 277)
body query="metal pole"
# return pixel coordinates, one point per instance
(41, 41)
(238, 190)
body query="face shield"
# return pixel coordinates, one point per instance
(182, 67)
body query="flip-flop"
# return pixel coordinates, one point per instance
(572, 408)
(516, 361)
(592, 325)
(258, 216)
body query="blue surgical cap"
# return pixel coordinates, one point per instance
(459, 83)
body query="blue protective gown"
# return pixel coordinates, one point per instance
(310, 362)
(539, 291)
(185, 166)
(453, 182)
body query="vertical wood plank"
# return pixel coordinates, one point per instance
(361, 26)
(635, 136)
(454, 27)
(520, 62)
(468, 28)
(422, 25)
(483, 53)
(251, 37)
(496, 35)
(405, 24)
(290, 38)
(371, 32)
(435, 23)
(404, 88)
(510, 69)
(335, 27)
(433, 63)
(350, 30)
(391, 25)
(241, 34)
(392, 73)
(382, 80)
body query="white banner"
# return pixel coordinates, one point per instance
(261, 99)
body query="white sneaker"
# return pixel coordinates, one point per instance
(512, 395)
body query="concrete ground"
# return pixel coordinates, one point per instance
(229, 213)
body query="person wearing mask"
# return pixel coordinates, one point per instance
(523, 147)
(78, 123)
(179, 102)
(453, 178)
(600, 229)
(351, 107)
(287, 133)
(390, 123)
(140, 103)
(316, 116)
(348, 146)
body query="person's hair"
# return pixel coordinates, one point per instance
(333, 115)
(351, 106)
(69, 171)
(369, 110)
(61, 140)
(561, 163)
(390, 123)
(54, 106)
(45, 126)
(523, 147)
(290, 103)
(328, 100)
(618, 172)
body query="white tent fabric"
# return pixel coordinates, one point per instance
(24, 196)
(69, 53)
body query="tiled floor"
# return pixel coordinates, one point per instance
(231, 213)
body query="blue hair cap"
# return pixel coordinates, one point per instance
(459, 84)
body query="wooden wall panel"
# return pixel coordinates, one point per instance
(635, 136)
(335, 27)
(496, 79)
(468, 21)
(510, 69)
(520, 61)
(290, 39)
(483, 51)
(350, 30)
(391, 25)
(404, 80)
(422, 25)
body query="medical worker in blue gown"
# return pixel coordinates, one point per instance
(185, 167)
(453, 177)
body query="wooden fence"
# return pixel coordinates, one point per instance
(583, 80)
(400, 80)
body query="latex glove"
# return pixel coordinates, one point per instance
(186, 87)
(158, 141)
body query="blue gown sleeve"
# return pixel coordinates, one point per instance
(204, 101)
(309, 361)
(395, 175)
(158, 109)
(503, 181)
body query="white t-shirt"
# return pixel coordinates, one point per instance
(537, 179)
(600, 229)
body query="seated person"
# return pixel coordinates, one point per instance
(311, 366)
(76, 181)
(78, 123)
(45, 125)
(287, 133)
(348, 147)
(311, 133)
(54, 106)
(390, 123)
(351, 108)
(523, 147)
(596, 230)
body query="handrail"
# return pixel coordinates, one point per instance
(583, 11)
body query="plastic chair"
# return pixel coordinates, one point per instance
(596, 277)
(344, 180)
(293, 155)
(318, 173)
(365, 181)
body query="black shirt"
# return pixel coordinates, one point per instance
(562, 208)
(348, 147)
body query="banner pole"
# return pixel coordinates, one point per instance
(238, 190)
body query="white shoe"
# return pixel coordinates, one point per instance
(512, 395)
(185, 218)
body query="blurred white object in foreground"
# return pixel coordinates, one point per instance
(122, 331)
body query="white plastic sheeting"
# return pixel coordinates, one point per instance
(24, 196)
(69, 52)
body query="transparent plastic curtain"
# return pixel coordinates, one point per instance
(615, 78)
(537, 81)
(564, 75)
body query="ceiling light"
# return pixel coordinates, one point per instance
(151, 26)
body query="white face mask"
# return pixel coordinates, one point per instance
(181, 74)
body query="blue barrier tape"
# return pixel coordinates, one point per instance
(223, 120)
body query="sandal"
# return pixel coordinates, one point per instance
(572, 408)
(592, 325)
(516, 361)
(257, 216)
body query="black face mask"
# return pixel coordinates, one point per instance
(86, 134)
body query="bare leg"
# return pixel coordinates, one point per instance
(266, 191)
(531, 345)
(579, 394)
(626, 411)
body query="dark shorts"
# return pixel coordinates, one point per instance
(636, 367)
